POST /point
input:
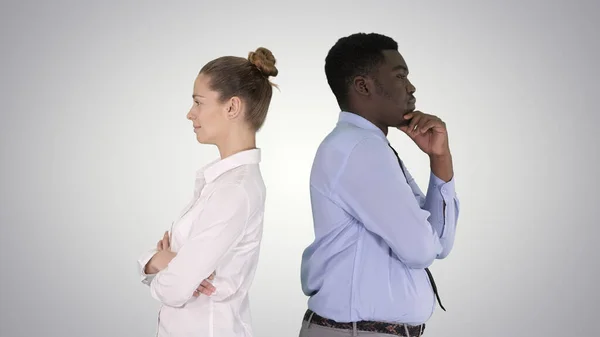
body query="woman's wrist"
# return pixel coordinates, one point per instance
(150, 269)
(159, 261)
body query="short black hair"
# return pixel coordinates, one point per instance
(354, 55)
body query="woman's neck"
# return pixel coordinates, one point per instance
(237, 142)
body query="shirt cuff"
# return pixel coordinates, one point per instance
(143, 260)
(446, 189)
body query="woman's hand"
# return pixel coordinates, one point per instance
(206, 287)
(164, 243)
(161, 259)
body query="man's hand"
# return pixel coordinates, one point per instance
(206, 287)
(428, 132)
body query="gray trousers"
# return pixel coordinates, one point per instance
(313, 330)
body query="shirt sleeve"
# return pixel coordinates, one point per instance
(142, 261)
(374, 191)
(218, 228)
(443, 205)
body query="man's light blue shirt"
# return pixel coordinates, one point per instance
(374, 232)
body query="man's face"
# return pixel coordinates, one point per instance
(393, 91)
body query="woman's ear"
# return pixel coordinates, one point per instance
(233, 108)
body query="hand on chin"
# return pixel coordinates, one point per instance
(403, 121)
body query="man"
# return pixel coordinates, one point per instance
(375, 231)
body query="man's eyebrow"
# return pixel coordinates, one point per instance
(399, 67)
(196, 95)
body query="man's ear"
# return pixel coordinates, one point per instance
(360, 85)
(233, 108)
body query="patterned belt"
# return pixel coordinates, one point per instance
(379, 327)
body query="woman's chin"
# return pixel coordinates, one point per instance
(202, 139)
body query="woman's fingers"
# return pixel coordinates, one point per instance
(205, 288)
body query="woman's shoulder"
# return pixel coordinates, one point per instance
(245, 179)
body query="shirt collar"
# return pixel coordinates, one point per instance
(213, 170)
(361, 122)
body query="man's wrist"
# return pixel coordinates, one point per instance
(443, 154)
(441, 166)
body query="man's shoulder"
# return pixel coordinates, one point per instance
(344, 138)
(345, 145)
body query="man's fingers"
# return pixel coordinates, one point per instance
(422, 123)
(427, 126)
(212, 276)
(432, 123)
(403, 128)
(159, 245)
(414, 122)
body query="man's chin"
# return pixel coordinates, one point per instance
(403, 122)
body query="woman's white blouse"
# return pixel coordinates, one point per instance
(220, 230)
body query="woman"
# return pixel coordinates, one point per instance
(217, 237)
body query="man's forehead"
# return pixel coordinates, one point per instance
(394, 60)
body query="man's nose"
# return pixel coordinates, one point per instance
(410, 87)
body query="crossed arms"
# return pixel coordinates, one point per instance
(175, 278)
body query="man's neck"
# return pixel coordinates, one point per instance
(369, 117)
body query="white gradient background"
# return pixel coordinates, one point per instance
(97, 156)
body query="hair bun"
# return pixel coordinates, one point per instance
(264, 60)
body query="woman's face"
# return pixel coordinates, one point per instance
(208, 114)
